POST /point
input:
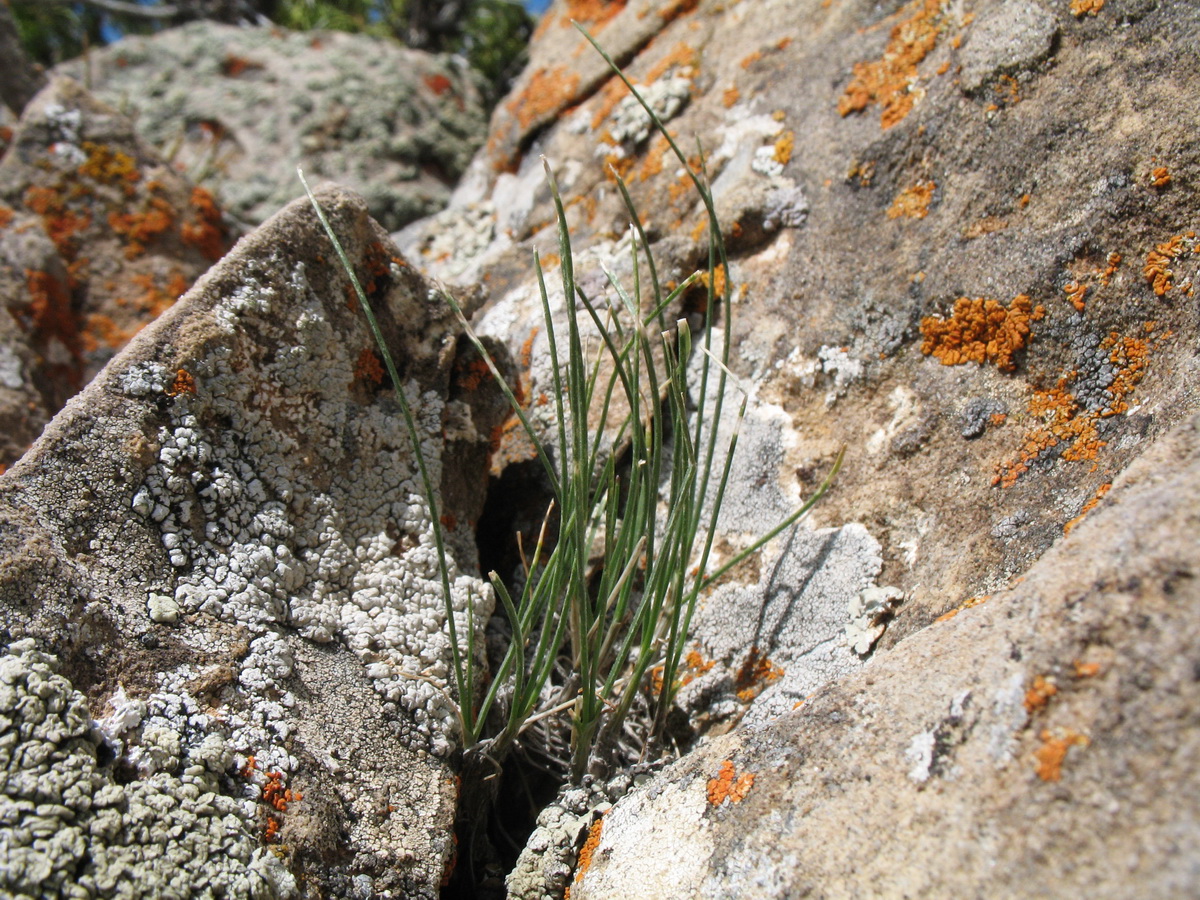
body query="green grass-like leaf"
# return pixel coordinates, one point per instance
(622, 626)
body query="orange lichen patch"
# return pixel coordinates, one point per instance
(1075, 291)
(207, 233)
(966, 604)
(730, 96)
(1085, 670)
(756, 672)
(1007, 90)
(6, 216)
(62, 224)
(1053, 752)
(108, 166)
(367, 367)
(682, 55)
(50, 309)
(889, 81)
(1160, 177)
(653, 163)
(1064, 420)
(276, 796)
(156, 300)
(913, 202)
(728, 785)
(1039, 693)
(1158, 272)
(694, 665)
(233, 66)
(784, 146)
(471, 375)
(981, 330)
(864, 172)
(1129, 356)
(100, 330)
(673, 9)
(550, 261)
(613, 92)
(595, 12)
(437, 83)
(548, 92)
(750, 59)
(139, 228)
(184, 383)
(1088, 507)
(1081, 8)
(1113, 263)
(589, 849)
(448, 521)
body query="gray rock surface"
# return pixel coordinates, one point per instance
(238, 109)
(1039, 744)
(228, 518)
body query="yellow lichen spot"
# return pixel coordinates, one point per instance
(106, 165)
(784, 147)
(1053, 752)
(981, 330)
(913, 202)
(728, 785)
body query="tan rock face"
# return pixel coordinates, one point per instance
(961, 249)
(965, 284)
(1041, 743)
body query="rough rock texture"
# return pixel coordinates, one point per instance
(963, 245)
(97, 237)
(223, 538)
(239, 108)
(1042, 743)
(70, 829)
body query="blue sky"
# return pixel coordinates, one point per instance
(537, 7)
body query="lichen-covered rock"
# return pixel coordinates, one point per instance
(97, 237)
(962, 247)
(1039, 743)
(70, 828)
(995, 319)
(230, 518)
(240, 108)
